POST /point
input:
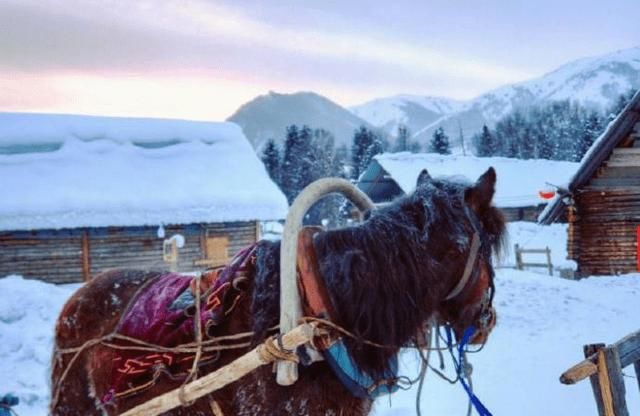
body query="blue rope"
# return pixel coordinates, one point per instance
(6, 402)
(460, 364)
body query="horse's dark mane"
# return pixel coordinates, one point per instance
(386, 276)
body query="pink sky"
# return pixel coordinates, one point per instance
(198, 59)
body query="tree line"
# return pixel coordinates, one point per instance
(560, 130)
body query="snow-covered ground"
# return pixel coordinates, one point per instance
(542, 324)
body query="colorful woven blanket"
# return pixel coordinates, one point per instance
(163, 313)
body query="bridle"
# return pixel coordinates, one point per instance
(469, 278)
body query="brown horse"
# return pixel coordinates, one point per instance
(385, 279)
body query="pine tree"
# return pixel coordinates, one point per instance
(486, 144)
(271, 160)
(324, 150)
(307, 158)
(440, 142)
(620, 104)
(361, 142)
(593, 127)
(404, 142)
(339, 164)
(375, 148)
(402, 139)
(291, 169)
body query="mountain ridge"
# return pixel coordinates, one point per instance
(267, 116)
(595, 81)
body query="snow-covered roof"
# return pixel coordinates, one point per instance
(519, 181)
(67, 171)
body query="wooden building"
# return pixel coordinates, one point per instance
(603, 200)
(518, 187)
(86, 194)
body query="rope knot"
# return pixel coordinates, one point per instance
(273, 350)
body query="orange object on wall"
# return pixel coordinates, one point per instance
(547, 194)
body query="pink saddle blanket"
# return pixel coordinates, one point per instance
(163, 313)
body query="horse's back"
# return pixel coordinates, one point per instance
(91, 313)
(95, 309)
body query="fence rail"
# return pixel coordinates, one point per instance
(520, 264)
(603, 365)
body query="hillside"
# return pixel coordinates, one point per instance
(267, 116)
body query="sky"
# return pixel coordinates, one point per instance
(202, 59)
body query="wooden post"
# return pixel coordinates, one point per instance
(516, 248)
(86, 256)
(612, 388)
(170, 253)
(589, 350)
(258, 231)
(549, 261)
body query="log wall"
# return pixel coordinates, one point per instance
(74, 255)
(529, 213)
(603, 221)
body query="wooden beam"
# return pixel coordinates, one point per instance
(218, 379)
(628, 350)
(86, 256)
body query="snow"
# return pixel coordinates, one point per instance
(390, 110)
(106, 171)
(529, 235)
(35, 128)
(518, 184)
(543, 322)
(28, 312)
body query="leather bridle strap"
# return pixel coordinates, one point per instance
(468, 268)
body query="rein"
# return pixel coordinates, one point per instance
(461, 365)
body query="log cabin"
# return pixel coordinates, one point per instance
(518, 189)
(83, 194)
(602, 201)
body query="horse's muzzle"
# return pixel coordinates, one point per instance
(482, 334)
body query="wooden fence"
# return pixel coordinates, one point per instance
(603, 365)
(520, 264)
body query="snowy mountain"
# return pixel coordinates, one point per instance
(595, 82)
(267, 116)
(413, 111)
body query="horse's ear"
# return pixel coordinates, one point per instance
(423, 178)
(480, 195)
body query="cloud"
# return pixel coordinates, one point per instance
(166, 36)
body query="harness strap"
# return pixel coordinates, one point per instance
(460, 364)
(315, 298)
(471, 260)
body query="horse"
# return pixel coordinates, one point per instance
(426, 257)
